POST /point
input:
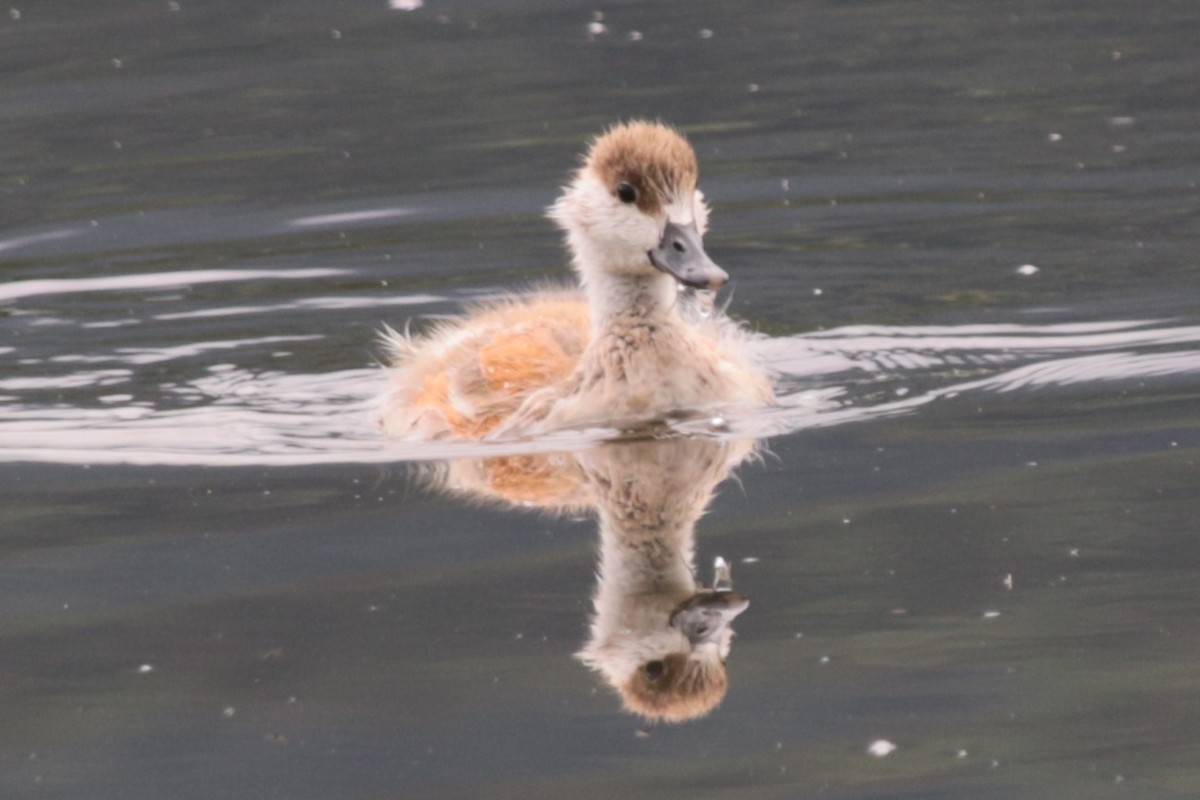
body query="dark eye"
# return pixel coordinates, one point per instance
(653, 670)
(626, 192)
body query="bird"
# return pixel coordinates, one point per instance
(638, 340)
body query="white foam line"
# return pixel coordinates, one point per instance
(317, 303)
(349, 217)
(156, 280)
(18, 242)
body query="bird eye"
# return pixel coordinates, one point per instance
(626, 192)
(653, 670)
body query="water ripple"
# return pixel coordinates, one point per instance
(227, 414)
(156, 280)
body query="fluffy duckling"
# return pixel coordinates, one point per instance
(626, 351)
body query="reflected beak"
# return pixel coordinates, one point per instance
(705, 615)
(681, 255)
(722, 577)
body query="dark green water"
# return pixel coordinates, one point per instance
(217, 582)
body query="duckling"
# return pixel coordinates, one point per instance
(626, 349)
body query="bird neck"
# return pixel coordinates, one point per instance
(617, 290)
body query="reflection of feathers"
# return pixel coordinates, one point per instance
(682, 689)
(550, 482)
(648, 496)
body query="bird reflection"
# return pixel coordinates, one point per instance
(658, 636)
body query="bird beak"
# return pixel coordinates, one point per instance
(705, 615)
(681, 255)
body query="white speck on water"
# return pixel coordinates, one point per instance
(818, 292)
(1120, 122)
(1027, 269)
(824, 660)
(880, 748)
(14, 13)
(1008, 581)
(752, 88)
(228, 712)
(750, 560)
(117, 63)
(635, 36)
(961, 753)
(901, 391)
(1054, 137)
(705, 33)
(596, 28)
(172, 5)
(845, 520)
(145, 669)
(405, 5)
(335, 34)
(1073, 552)
(991, 614)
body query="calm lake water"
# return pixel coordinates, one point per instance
(967, 231)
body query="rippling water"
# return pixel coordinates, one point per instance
(267, 415)
(966, 235)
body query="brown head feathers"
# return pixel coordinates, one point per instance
(652, 158)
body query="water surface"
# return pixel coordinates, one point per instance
(968, 235)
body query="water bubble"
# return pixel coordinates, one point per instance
(880, 748)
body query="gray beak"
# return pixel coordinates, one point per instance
(681, 255)
(705, 615)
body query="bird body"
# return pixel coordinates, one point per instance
(632, 344)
